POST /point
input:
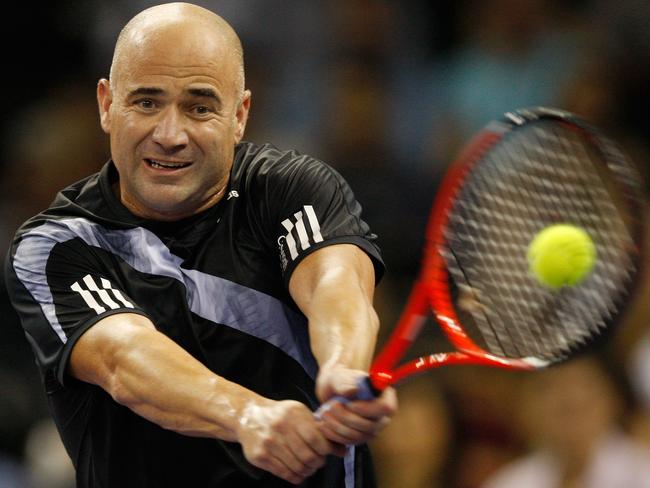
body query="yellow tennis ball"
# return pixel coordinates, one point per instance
(561, 255)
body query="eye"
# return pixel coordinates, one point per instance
(201, 110)
(146, 104)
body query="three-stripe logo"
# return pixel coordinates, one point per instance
(100, 298)
(300, 235)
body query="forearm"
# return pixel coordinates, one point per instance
(342, 322)
(157, 379)
(334, 288)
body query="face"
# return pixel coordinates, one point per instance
(174, 112)
(577, 404)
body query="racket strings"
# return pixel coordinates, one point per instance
(493, 254)
(610, 255)
(530, 332)
(539, 175)
(536, 330)
(572, 178)
(570, 144)
(476, 245)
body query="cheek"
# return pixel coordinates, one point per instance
(220, 130)
(217, 142)
(126, 134)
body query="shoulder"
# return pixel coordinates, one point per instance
(36, 241)
(85, 193)
(266, 164)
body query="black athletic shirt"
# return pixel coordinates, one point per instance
(215, 283)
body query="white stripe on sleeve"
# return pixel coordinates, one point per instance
(313, 223)
(88, 298)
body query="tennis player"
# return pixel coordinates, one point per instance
(194, 301)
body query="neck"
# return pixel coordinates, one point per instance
(171, 214)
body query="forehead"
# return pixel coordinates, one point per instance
(177, 53)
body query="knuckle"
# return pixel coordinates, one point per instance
(295, 480)
(285, 474)
(260, 456)
(319, 462)
(290, 476)
(267, 444)
(304, 471)
(312, 459)
(277, 422)
(321, 449)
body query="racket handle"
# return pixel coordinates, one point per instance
(365, 391)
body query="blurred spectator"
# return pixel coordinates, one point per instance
(508, 54)
(639, 370)
(356, 131)
(51, 143)
(572, 417)
(623, 26)
(486, 438)
(413, 451)
(632, 346)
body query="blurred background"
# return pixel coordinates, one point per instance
(385, 92)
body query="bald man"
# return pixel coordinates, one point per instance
(194, 301)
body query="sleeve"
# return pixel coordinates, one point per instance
(59, 290)
(316, 208)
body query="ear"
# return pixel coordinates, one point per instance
(104, 100)
(242, 115)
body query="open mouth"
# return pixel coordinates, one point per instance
(167, 165)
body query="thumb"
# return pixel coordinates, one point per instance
(337, 381)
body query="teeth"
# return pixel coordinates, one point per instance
(158, 164)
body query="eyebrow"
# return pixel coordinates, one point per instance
(195, 92)
(146, 90)
(205, 93)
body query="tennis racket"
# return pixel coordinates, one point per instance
(534, 168)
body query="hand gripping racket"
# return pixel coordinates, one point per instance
(534, 168)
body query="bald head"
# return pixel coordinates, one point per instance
(183, 26)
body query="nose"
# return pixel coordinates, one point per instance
(170, 132)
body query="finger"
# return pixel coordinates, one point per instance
(286, 455)
(279, 469)
(385, 405)
(310, 458)
(276, 466)
(367, 425)
(339, 432)
(345, 426)
(337, 381)
(316, 442)
(349, 418)
(340, 435)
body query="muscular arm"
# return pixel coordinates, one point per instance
(146, 371)
(334, 288)
(153, 376)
